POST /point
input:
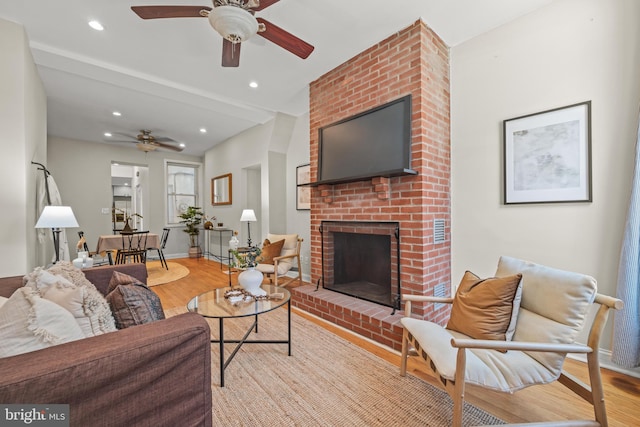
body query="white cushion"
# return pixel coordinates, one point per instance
(29, 322)
(289, 248)
(82, 299)
(3, 300)
(506, 372)
(553, 307)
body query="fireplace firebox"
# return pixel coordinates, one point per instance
(361, 259)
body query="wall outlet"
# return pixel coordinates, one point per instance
(105, 211)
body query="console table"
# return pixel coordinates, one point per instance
(220, 256)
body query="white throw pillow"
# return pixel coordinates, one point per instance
(29, 322)
(80, 297)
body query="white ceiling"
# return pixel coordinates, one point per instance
(165, 74)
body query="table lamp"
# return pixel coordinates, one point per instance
(56, 218)
(249, 216)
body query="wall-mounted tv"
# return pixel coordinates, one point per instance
(373, 143)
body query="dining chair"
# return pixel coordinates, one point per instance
(160, 248)
(134, 247)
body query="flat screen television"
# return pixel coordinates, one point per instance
(373, 143)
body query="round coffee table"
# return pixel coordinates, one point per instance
(213, 304)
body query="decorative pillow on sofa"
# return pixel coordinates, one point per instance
(80, 297)
(132, 302)
(270, 251)
(29, 322)
(484, 308)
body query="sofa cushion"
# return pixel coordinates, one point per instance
(270, 250)
(483, 308)
(80, 298)
(3, 300)
(29, 322)
(132, 303)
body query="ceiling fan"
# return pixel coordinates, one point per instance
(146, 142)
(234, 20)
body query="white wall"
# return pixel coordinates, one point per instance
(23, 121)
(265, 156)
(83, 173)
(568, 52)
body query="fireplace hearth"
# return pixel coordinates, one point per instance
(361, 259)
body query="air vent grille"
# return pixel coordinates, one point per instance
(438, 231)
(440, 291)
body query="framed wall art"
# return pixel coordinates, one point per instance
(547, 156)
(303, 190)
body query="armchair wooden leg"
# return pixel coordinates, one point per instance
(405, 352)
(458, 388)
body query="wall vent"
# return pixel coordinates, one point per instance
(440, 291)
(438, 231)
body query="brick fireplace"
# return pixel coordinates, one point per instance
(413, 61)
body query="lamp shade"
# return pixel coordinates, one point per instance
(233, 23)
(248, 215)
(57, 217)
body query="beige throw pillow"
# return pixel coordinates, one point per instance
(79, 297)
(483, 308)
(29, 322)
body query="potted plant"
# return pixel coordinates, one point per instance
(192, 218)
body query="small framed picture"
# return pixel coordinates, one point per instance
(547, 156)
(303, 191)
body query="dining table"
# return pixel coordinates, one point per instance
(113, 242)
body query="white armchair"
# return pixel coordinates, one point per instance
(552, 311)
(282, 264)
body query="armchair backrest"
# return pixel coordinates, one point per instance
(290, 246)
(553, 308)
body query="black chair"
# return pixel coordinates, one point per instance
(97, 258)
(134, 247)
(160, 248)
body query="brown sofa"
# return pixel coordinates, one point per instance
(156, 374)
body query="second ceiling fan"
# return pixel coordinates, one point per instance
(234, 20)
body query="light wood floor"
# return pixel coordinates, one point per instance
(538, 403)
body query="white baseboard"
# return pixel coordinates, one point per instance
(606, 363)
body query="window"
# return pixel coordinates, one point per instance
(182, 189)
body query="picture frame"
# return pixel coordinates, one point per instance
(303, 190)
(547, 156)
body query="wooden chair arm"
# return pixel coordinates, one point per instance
(278, 258)
(408, 298)
(520, 346)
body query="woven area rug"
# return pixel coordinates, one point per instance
(327, 381)
(158, 275)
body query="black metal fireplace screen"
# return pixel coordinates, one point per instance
(362, 259)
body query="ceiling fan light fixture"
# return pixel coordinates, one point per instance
(233, 23)
(145, 147)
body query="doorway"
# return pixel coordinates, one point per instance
(130, 196)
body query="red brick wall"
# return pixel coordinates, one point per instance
(413, 61)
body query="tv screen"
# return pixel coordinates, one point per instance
(374, 143)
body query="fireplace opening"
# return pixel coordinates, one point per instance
(360, 259)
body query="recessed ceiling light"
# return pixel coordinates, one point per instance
(253, 84)
(182, 144)
(107, 134)
(96, 25)
(203, 130)
(117, 113)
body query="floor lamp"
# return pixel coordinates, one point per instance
(250, 216)
(56, 218)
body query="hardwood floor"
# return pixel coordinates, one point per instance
(538, 403)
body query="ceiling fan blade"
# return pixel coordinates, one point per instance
(154, 12)
(285, 40)
(167, 146)
(265, 4)
(163, 139)
(230, 53)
